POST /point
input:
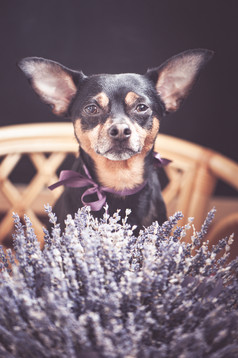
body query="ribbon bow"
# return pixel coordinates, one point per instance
(73, 179)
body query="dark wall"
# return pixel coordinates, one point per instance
(127, 36)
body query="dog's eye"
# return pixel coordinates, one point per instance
(91, 109)
(141, 107)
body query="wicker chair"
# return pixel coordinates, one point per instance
(193, 174)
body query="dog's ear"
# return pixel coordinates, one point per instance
(55, 84)
(175, 78)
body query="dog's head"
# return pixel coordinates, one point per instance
(116, 116)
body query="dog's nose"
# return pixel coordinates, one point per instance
(119, 131)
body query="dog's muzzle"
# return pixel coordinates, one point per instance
(122, 147)
(120, 141)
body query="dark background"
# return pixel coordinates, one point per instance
(110, 36)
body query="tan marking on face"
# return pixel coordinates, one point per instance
(102, 100)
(131, 98)
(150, 138)
(86, 139)
(147, 138)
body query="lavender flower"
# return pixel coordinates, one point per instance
(97, 290)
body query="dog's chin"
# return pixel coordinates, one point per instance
(116, 155)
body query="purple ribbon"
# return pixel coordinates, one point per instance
(161, 162)
(73, 179)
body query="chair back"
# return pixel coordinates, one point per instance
(192, 174)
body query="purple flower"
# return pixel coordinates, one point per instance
(97, 290)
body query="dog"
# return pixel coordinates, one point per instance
(116, 119)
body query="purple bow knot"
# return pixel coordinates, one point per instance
(73, 179)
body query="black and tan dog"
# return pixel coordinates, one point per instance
(116, 120)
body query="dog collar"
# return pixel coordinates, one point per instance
(73, 179)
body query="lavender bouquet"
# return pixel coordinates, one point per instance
(96, 290)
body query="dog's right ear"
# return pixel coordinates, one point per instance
(55, 84)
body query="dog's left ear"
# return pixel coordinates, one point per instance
(175, 78)
(55, 84)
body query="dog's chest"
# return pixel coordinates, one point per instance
(120, 175)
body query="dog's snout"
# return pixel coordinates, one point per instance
(119, 131)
